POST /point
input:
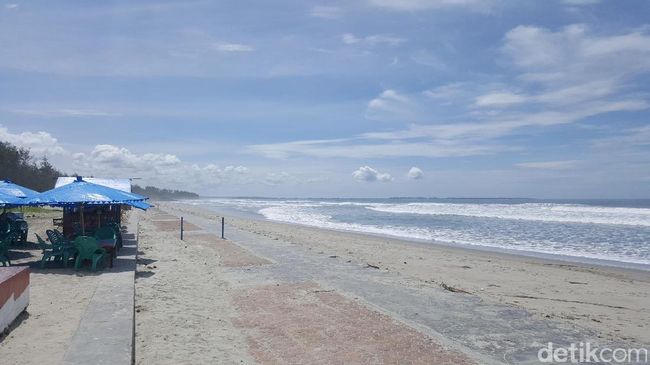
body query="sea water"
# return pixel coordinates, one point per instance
(614, 231)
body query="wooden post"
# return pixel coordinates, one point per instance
(181, 228)
(222, 227)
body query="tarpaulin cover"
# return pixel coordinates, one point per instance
(140, 205)
(9, 188)
(83, 192)
(6, 200)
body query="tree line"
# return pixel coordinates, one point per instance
(18, 165)
(163, 194)
(21, 167)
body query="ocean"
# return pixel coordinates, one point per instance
(615, 232)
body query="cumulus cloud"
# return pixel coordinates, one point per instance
(415, 173)
(368, 174)
(106, 155)
(40, 143)
(161, 169)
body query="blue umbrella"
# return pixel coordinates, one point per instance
(7, 200)
(82, 193)
(9, 188)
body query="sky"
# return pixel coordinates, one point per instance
(357, 98)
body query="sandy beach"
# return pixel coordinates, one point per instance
(283, 293)
(58, 299)
(231, 300)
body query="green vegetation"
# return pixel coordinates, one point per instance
(21, 167)
(18, 165)
(163, 194)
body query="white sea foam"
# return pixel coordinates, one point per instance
(310, 217)
(299, 215)
(546, 212)
(610, 233)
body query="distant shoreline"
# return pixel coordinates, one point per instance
(546, 257)
(478, 246)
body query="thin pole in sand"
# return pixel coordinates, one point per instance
(222, 227)
(181, 228)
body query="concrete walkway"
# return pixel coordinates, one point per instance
(105, 333)
(488, 332)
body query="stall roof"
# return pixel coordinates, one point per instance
(9, 188)
(119, 184)
(84, 192)
(9, 200)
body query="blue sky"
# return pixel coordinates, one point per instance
(351, 98)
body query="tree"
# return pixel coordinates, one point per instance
(18, 165)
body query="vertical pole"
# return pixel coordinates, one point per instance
(83, 224)
(222, 227)
(181, 228)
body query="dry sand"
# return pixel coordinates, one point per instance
(193, 306)
(613, 302)
(58, 299)
(183, 306)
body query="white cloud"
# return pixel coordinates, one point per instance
(326, 12)
(550, 165)
(160, 169)
(499, 99)
(391, 105)
(349, 38)
(415, 173)
(232, 47)
(571, 68)
(372, 40)
(572, 53)
(40, 143)
(119, 158)
(625, 139)
(236, 169)
(11, 6)
(368, 174)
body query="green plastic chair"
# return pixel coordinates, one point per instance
(118, 233)
(88, 249)
(53, 252)
(58, 240)
(106, 233)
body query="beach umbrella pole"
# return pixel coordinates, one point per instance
(81, 215)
